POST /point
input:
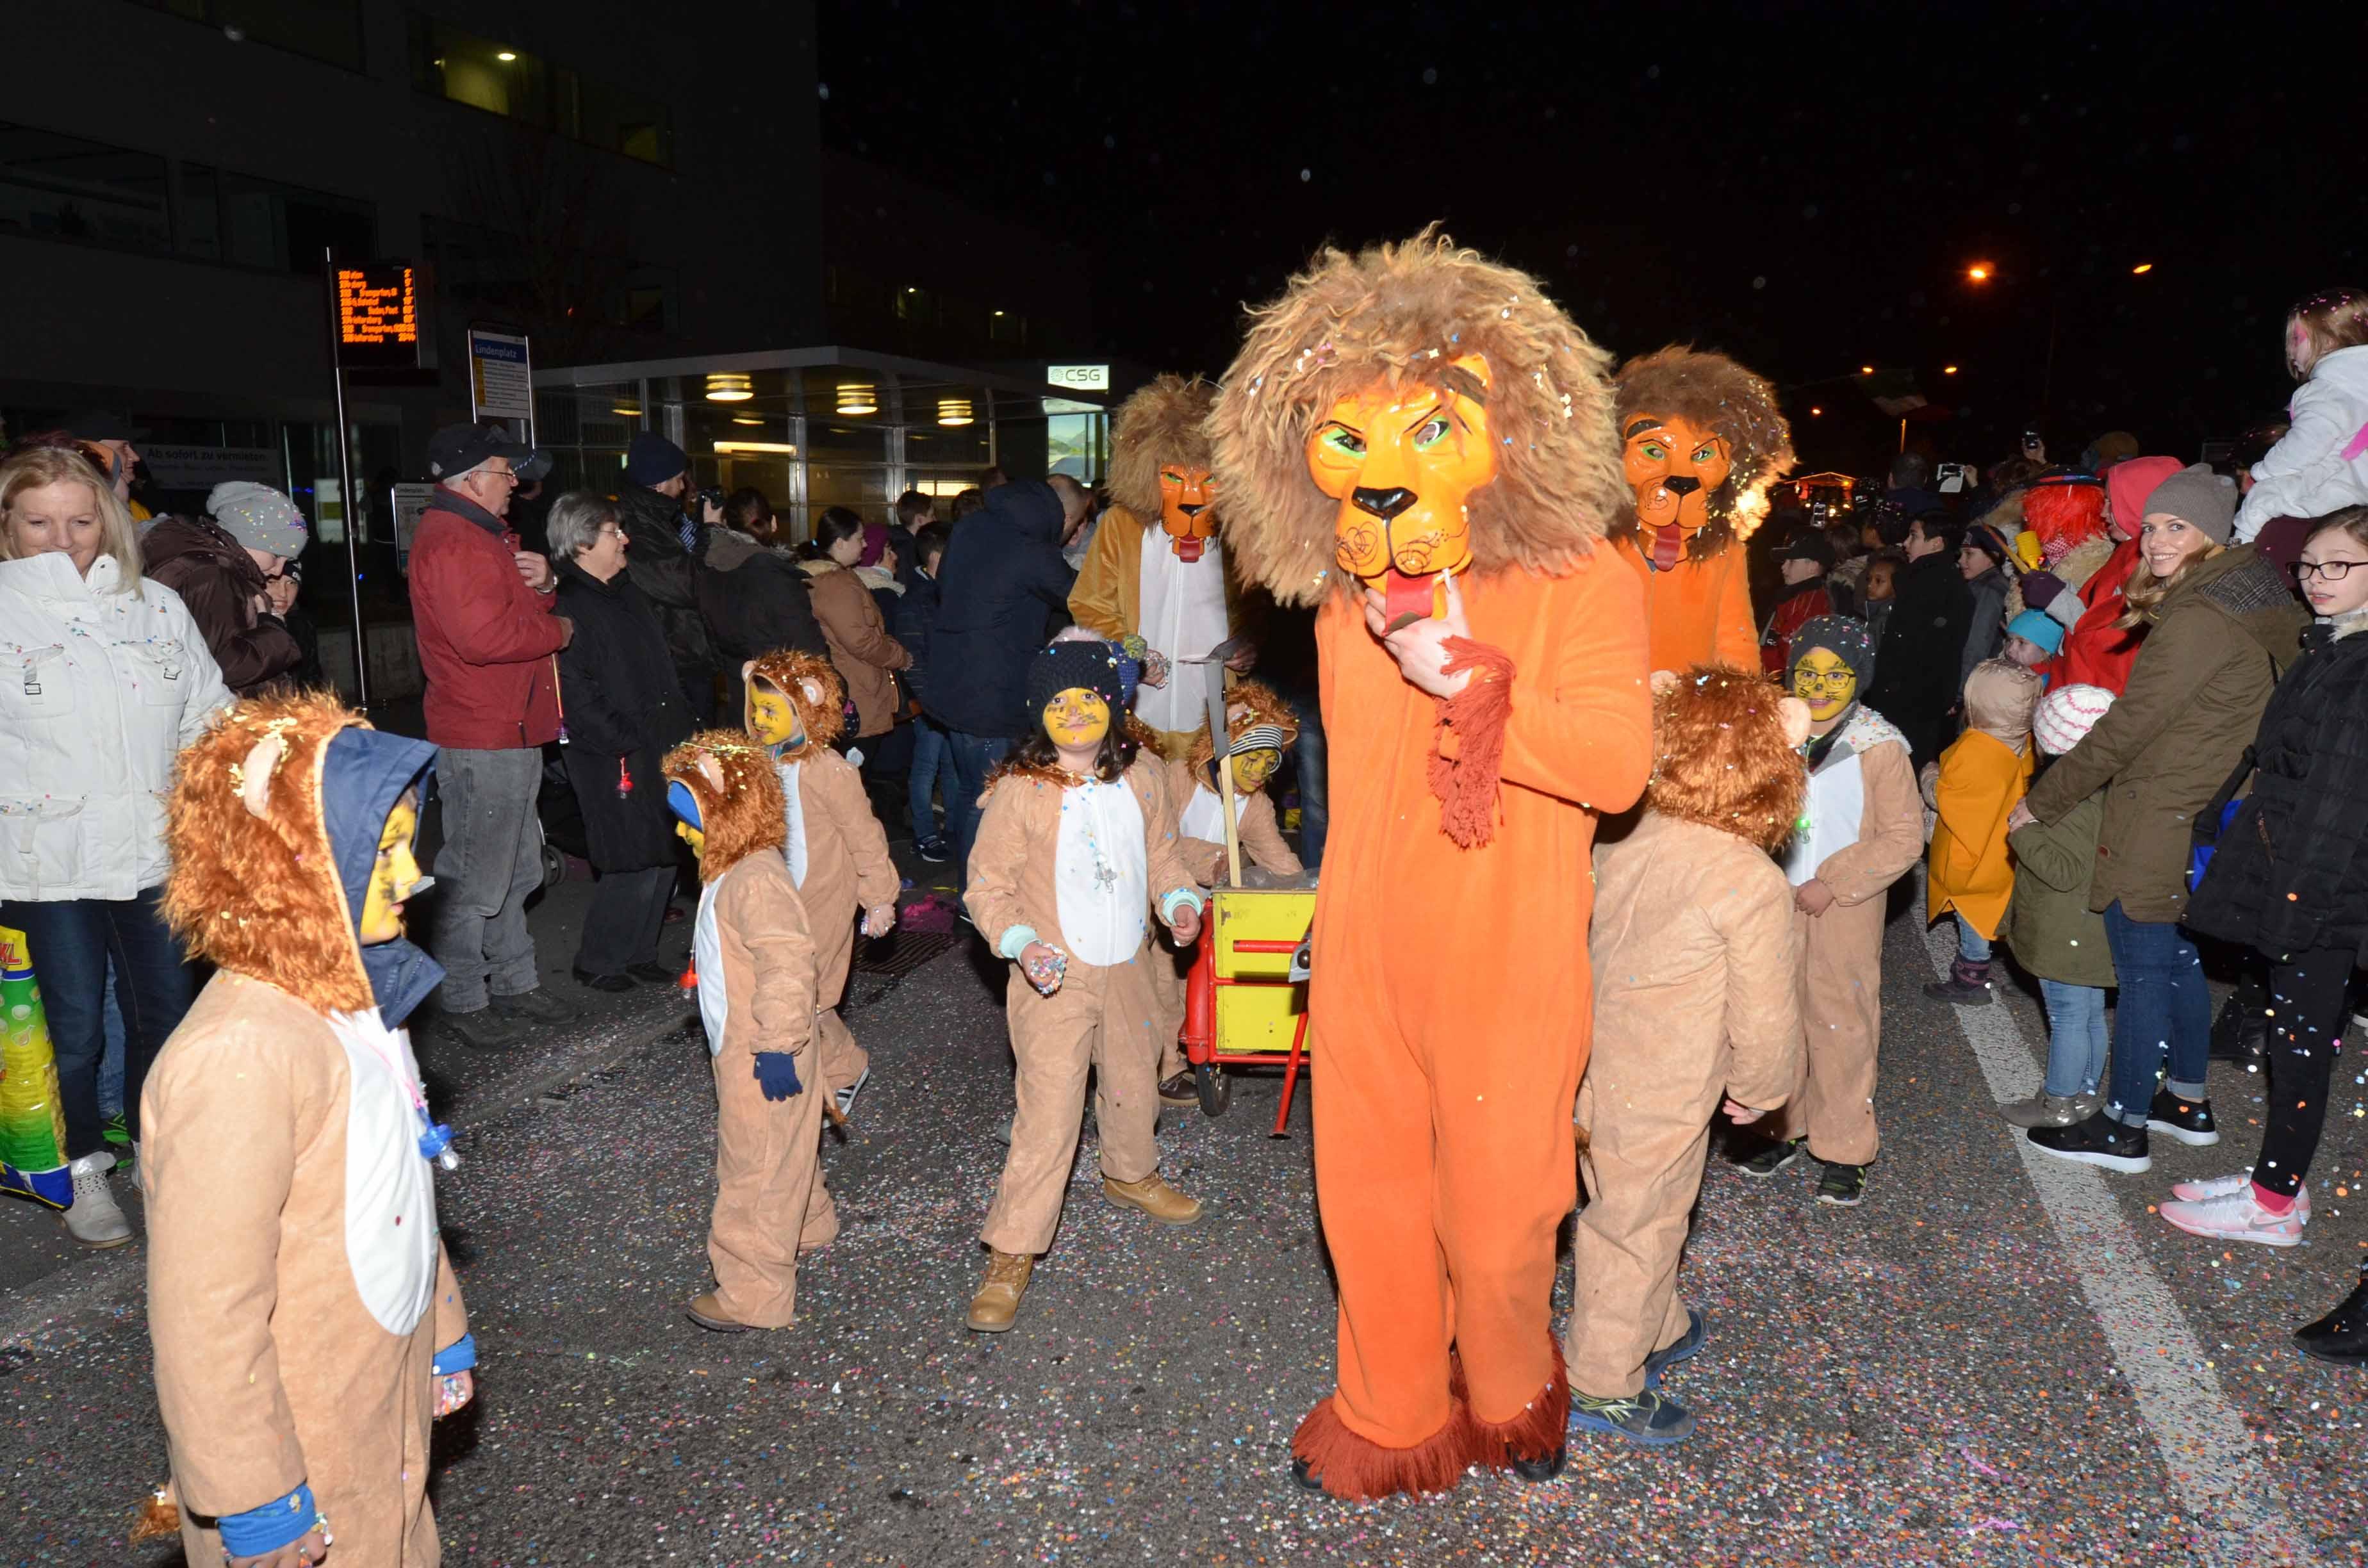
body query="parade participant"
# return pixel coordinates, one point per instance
(1074, 851)
(1156, 568)
(1696, 922)
(306, 1322)
(836, 850)
(754, 953)
(1418, 438)
(1259, 728)
(1975, 786)
(1703, 438)
(2081, 589)
(1862, 829)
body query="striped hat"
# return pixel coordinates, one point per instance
(2065, 715)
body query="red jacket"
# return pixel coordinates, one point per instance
(1801, 605)
(2097, 652)
(485, 639)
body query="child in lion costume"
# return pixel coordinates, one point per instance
(1700, 439)
(1419, 442)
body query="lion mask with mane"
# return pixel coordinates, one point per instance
(1159, 461)
(1702, 439)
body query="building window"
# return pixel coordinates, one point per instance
(62, 187)
(256, 222)
(324, 30)
(485, 73)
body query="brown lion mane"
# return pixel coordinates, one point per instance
(1405, 313)
(1721, 757)
(1260, 705)
(1160, 425)
(747, 815)
(1713, 393)
(786, 670)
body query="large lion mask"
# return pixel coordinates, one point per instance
(1159, 461)
(1702, 439)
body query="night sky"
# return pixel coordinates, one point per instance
(1806, 194)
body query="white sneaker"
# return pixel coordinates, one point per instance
(2237, 1217)
(2221, 1186)
(93, 1219)
(846, 1097)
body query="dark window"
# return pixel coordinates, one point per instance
(254, 222)
(63, 187)
(324, 30)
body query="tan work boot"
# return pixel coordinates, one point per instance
(997, 1302)
(708, 1312)
(1155, 1198)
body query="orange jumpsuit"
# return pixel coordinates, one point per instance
(1700, 610)
(1449, 1007)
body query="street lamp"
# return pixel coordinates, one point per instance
(2141, 270)
(1948, 369)
(1866, 370)
(1980, 272)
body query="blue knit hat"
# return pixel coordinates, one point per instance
(2038, 626)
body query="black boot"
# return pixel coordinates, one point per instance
(2341, 1337)
(1969, 983)
(2241, 1032)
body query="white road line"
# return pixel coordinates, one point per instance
(2214, 1464)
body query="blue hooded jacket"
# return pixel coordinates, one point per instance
(363, 773)
(999, 583)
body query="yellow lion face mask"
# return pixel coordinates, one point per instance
(1404, 462)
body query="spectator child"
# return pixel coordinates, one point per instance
(1921, 655)
(1862, 829)
(1880, 590)
(1978, 780)
(1805, 563)
(2053, 933)
(755, 955)
(916, 614)
(2321, 463)
(2031, 639)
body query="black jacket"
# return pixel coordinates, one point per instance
(2291, 873)
(917, 615)
(1916, 680)
(668, 576)
(755, 601)
(999, 583)
(622, 705)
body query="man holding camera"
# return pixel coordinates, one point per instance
(664, 559)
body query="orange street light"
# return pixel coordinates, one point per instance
(1866, 370)
(1814, 410)
(1948, 369)
(2141, 270)
(1980, 272)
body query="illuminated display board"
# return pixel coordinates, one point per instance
(378, 315)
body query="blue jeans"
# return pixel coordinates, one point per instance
(71, 942)
(971, 758)
(1972, 945)
(2076, 1051)
(2163, 1009)
(921, 779)
(111, 1064)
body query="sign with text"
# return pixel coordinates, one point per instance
(202, 467)
(377, 323)
(501, 377)
(1079, 378)
(410, 506)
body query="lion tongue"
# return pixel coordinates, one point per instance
(1187, 547)
(1407, 599)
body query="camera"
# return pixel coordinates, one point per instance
(711, 496)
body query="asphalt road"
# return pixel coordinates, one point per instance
(1986, 1363)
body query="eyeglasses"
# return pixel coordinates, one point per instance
(610, 530)
(2332, 570)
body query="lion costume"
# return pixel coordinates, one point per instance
(1702, 439)
(1397, 414)
(1177, 598)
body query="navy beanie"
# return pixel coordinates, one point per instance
(1093, 665)
(653, 459)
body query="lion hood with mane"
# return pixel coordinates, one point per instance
(1248, 704)
(1162, 424)
(741, 808)
(1713, 392)
(1406, 313)
(788, 670)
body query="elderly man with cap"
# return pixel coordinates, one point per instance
(667, 560)
(223, 566)
(482, 610)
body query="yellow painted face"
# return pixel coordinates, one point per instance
(693, 836)
(392, 876)
(1253, 768)
(1077, 719)
(773, 717)
(1825, 683)
(1186, 512)
(1404, 462)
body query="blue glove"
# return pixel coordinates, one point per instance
(776, 1074)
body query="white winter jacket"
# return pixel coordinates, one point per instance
(2320, 465)
(99, 689)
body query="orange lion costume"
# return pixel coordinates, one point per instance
(1418, 438)
(1702, 439)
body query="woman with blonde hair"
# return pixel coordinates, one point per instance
(104, 676)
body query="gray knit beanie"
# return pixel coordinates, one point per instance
(258, 517)
(2197, 496)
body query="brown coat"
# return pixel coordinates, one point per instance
(848, 872)
(1260, 833)
(271, 1368)
(866, 657)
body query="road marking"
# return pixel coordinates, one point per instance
(2214, 1464)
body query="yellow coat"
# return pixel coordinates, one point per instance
(1981, 779)
(1108, 599)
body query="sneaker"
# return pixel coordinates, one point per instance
(996, 1304)
(1651, 1417)
(487, 1028)
(1968, 984)
(540, 1006)
(1155, 1198)
(611, 984)
(1685, 1348)
(1772, 1158)
(1842, 1186)
(2043, 1109)
(2341, 1337)
(934, 849)
(2221, 1186)
(2190, 1121)
(117, 1131)
(2237, 1217)
(94, 1219)
(1180, 1089)
(846, 1097)
(2098, 1141)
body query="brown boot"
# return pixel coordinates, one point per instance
(708, 1312)
(1180, 1089)
(1155, 1198)
(997, 1302)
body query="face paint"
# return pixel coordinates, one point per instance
(1404, 462)
(1077, 719)
(773, 717)
(1674, 466)
(1825, 683)
(1186, 509)
(393, 877)
(1253, 768)
(693, 836)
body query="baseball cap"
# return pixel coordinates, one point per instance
(457, 448)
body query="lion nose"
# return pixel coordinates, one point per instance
(1382, 504)
(1680, 484)
(1191, 508)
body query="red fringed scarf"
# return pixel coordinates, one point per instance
(1466, 787)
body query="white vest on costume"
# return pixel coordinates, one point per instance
(706, 951)
(390, 1191)
(1204, 819)
(1182, 608)
(794, 818)
(1101, 878)
(1836, 804)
